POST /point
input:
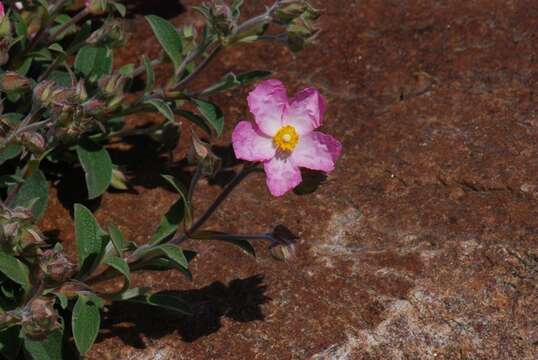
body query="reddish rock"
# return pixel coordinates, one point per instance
(422, 244)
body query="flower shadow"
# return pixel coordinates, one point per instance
(240, 301)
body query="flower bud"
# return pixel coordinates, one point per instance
(93, 106)
(40, 318)
(300, 32)
(33, 141)
(293, 9)
(97, 7)
(110, 34)
(112, 85)
(13, 81)
(80, 91)
(43, 92)
(56, 266)
(221, 19)
(200, 152)
(119, 180)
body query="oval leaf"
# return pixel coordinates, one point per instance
(15, 269)
(162, 107)
(97, 165)
(122, 267)
(211, 113)
(85, 322)
(89, 241)
(34, 188)
(168, 37)
(48, 349)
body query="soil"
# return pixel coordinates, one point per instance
(422, 244)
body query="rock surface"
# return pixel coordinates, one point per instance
(422, 244)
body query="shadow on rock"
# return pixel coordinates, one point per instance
(240, 300)
(164, 8)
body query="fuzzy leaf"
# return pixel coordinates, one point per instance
(15, 269)
(90, 240)
(35, 187)
(117, 239)
(211, 113)
(97, 165)
(9, 152)
(168, 37)
(123, 268)
(183, 192)
(162, 107)
(170, 222)
(150, 74)
(85, 322)
(48, 349)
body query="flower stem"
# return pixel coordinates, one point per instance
(247, 169)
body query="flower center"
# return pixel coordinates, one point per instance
(286, 138)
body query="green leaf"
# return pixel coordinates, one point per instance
(150, 74)
(166, 301)
(56, 47)
(35, 187)
(85, 60)
(48, 349)
(168, 37)
(195, 119)
(93, 61)
(85, 322)
(162, 107)
(90, 241)
(211, 113)
(127, 70)
(10, 343)
(103, 63)
(15, 270)
(183, 192)
(122, 267)
(120, 8)
(97, 165)
(62, 299)
(170, 222)
(9, 152)
(172, 252)
(117, 239)
(130, 294)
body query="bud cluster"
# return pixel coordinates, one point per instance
(298, 16)
(18, 231)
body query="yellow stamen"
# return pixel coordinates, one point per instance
(286, 138)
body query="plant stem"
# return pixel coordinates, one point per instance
(137, 263)
(199, 68)
(75, 19)
(247, 169)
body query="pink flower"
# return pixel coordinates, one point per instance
(2, 12)
(283, 136)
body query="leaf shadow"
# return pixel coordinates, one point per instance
(240, 301)
(164, 8)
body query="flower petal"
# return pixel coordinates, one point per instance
(267, 102)
(316, 151)
(305, 111)
(282, 175)
(250, 144)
